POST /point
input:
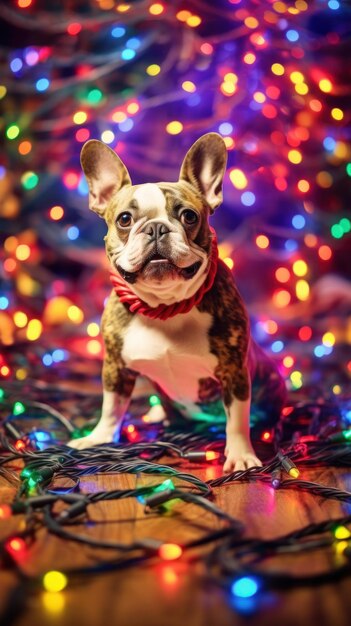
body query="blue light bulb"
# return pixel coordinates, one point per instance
(277, 346)
(225, 128)
(118, 31)
(245, 587)
(73, 233)
(248, 198)
(298, 221)
(42, 84)
(292, 35)
(127, 54)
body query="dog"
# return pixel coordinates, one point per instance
(175, 314)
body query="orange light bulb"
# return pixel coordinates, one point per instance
(210, 455)
(170, 551)
(5, 511)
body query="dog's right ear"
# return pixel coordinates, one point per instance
(105, 173)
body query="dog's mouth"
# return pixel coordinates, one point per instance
(157, 258)
(158, 266)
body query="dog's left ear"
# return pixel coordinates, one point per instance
(204, 167)
(105, 173)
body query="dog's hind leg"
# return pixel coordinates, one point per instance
(269, 393)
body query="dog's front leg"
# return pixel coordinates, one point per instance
(239, 452)
(118, 385)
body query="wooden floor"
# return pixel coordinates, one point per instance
(176, 594)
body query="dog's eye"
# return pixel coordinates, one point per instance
(189, 217)
(124, 220)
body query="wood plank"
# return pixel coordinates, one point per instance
(176, 593)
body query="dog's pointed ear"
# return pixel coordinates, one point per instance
(105, 173)
(204, 167)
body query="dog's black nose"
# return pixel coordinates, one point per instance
(156, 229)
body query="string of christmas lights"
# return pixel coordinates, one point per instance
(147, 78)
(235, 562)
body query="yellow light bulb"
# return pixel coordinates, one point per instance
(300, 268)
(325, 85)
(294, 156)
(238, 178)
(93, 329)
(337, 114)
(153, 69)
(34, 330)
(193, 21)
(54, 581)
(80, 117)
(302, 289)
(189, 86)
(294, 472)
(328, 339)
(75, 314)
(174, 128)
(341, 532)
(278, 69)
(20, 319)
(297, 77)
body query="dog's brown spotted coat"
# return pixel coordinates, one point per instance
(228, 335)
(115, 376)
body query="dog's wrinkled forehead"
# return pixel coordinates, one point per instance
(150, 199)
(156, 200)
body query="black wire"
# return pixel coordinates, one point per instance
(234, 555)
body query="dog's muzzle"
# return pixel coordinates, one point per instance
(185, 272)
(158, 261)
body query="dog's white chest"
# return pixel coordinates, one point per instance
(174, 353)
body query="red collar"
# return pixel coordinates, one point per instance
(164, 311)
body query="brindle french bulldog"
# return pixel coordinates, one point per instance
(160, 243)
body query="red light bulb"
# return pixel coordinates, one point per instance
(20, 445)
(16, 547)
(133, 436)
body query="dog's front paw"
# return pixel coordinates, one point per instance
(93, 439)
(240, 455)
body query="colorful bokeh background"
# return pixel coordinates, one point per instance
(148, 78)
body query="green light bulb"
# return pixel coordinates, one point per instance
(18, 408)
(154, 400)
(29, 180)
(26, 473)
(167, 484)
(94, 96)
(337, 231)
(345, 224)
(32, 483)
(12, 131)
